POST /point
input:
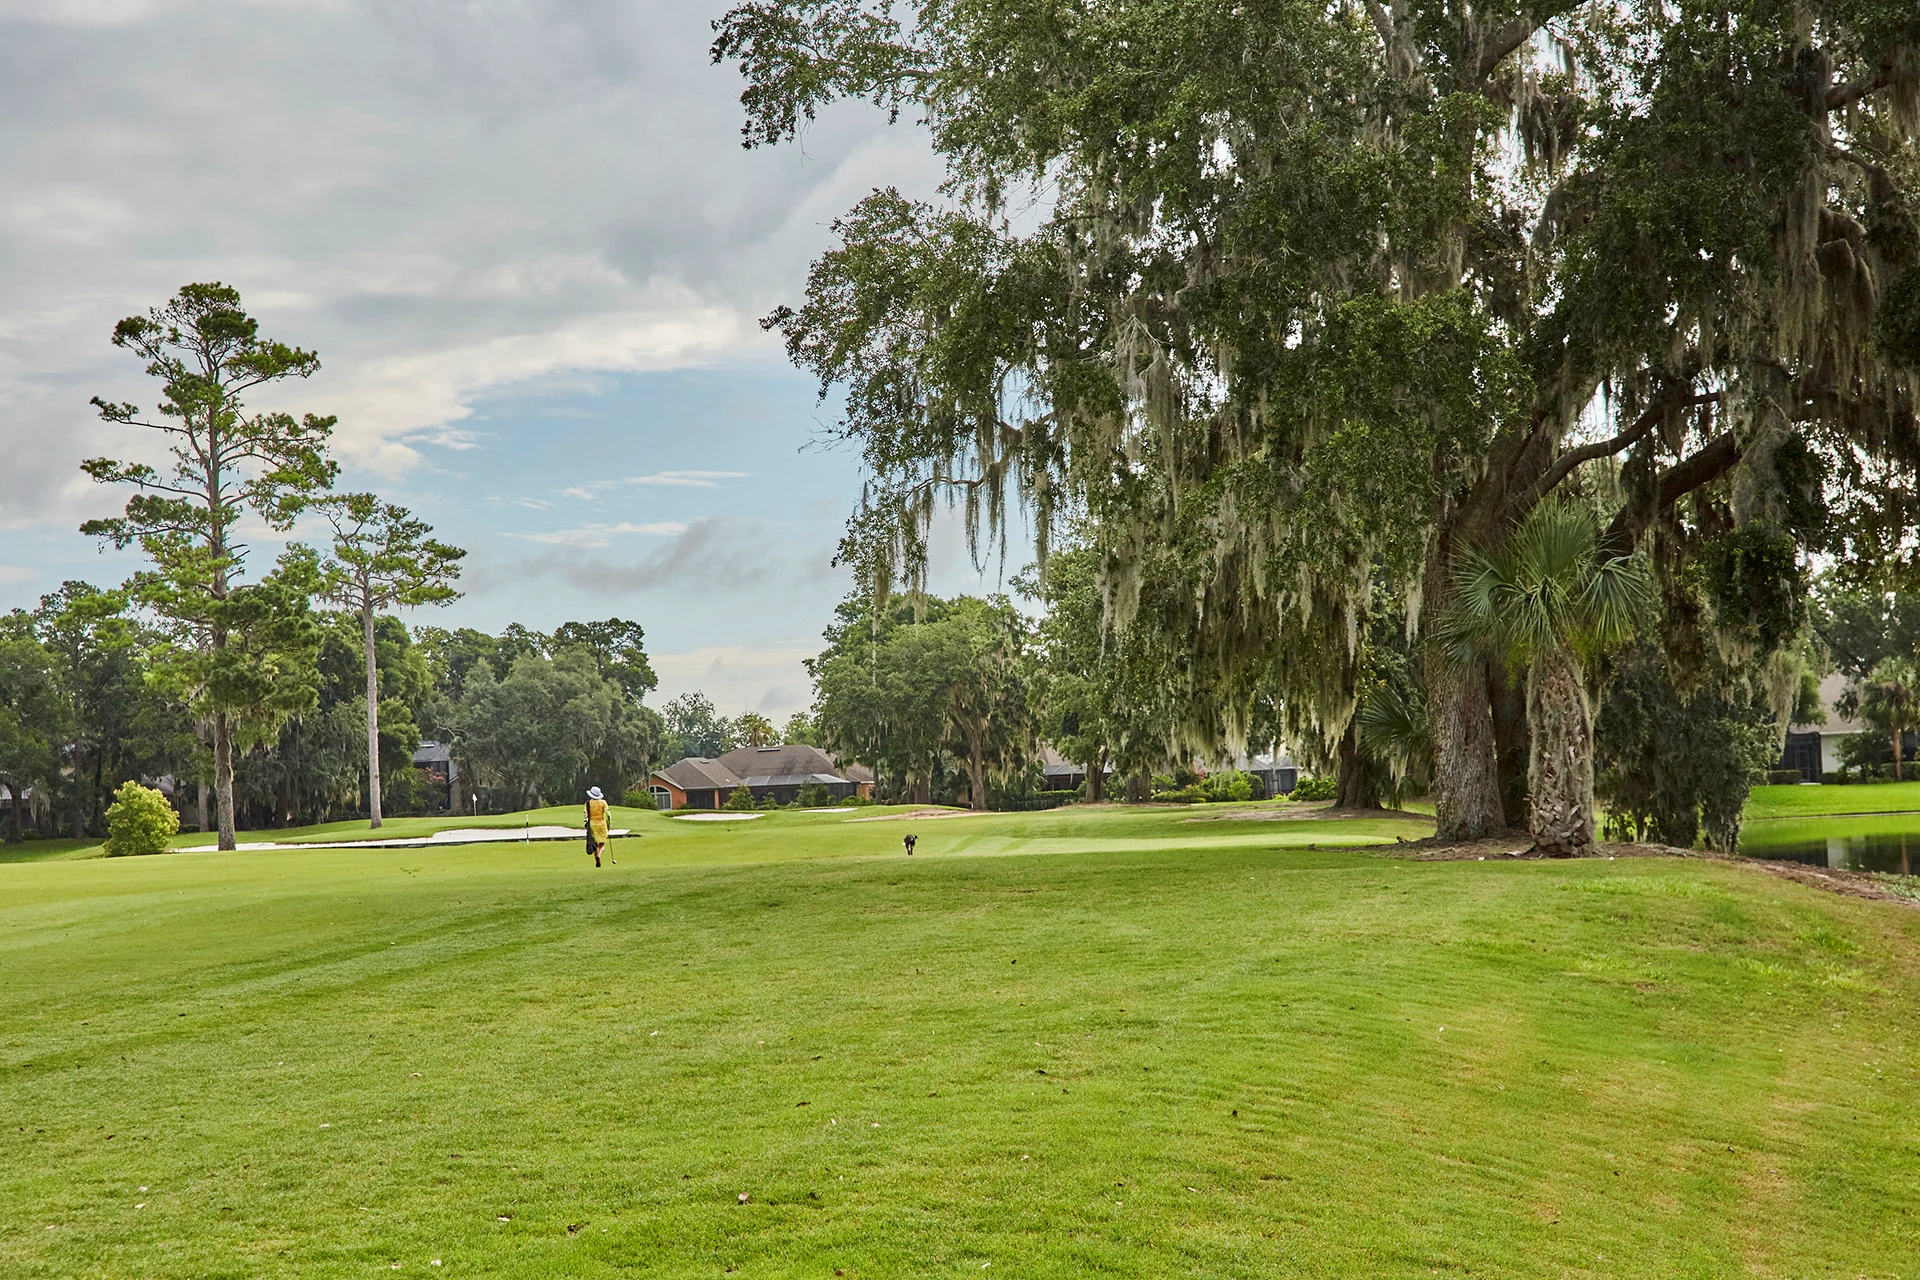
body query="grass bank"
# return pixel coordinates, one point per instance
(1169, 1052)
(1807, 802)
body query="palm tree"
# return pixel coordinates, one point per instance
(1549, 602)
(755, 730)
(1889, 700)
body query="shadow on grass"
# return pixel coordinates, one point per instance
(49, 850)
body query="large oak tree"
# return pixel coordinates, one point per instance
(1297, 302)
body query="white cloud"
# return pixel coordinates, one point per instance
(13, 573)
(687, 479)
(666, 479)
(769, 680)
(602, 535)
(443, 200)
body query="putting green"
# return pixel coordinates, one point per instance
(1165, 1048)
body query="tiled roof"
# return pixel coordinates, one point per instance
(698, 774)
(792, 765)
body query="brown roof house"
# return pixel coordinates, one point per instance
(780, 772)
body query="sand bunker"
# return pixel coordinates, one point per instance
(917, 814)
(453, 835)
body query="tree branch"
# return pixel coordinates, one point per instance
(1565, 464)
(1845, 94)
(1511, 37)
(1675, 483)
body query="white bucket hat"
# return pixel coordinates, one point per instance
(593, 793)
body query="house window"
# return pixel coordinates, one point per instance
(662, 797)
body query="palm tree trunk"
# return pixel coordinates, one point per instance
(1560, 724)
(373, 721)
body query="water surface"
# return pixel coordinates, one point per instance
(1869, 842)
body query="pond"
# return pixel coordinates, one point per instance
(1866, 842)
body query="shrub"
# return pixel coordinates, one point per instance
(813, 795)
(741, 800)
(1316, 788)
(1785, 777)
(139, 821)
(640, 799)
(1228, 784)
(859, 801)
(1836, 778)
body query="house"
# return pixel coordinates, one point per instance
(1061, 773)
(701, 783)
(435, 759)
(1276, 770)
(1814, 749)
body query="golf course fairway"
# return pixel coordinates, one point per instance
(1087, 1042)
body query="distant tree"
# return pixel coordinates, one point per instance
(31, 723)
(800, 729)
(695, 728)
(1078, 675)
(383, 558)
(986, 694)
(1860, 626)
(539, 731)
(208, 354)
(901, 686)
(1888, 700)
(619, 647)
(755, 730)
(91, 644)
(1548, 602)
(881, 689)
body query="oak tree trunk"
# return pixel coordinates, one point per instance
(1466, 782)
(1561, 767)
(373, 722)
(1354, 784)
(977, 781)
(13, 813)
(1096, 778)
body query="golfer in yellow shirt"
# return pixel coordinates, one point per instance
(596, 823)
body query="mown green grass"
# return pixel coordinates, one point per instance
(1192, 1056)
(1868, 797)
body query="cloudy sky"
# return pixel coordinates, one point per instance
(530, 251)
